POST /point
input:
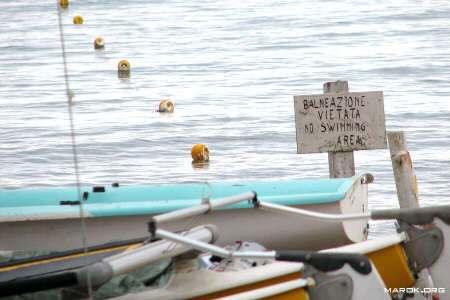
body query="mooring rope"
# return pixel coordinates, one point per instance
(74, 144)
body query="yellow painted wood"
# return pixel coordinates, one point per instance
(392, 264)
(294, 294)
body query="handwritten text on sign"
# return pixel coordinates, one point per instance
(340, 122)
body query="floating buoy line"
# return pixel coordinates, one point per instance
(199, 152)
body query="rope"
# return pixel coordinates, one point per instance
(69, 95)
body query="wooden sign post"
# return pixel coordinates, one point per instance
(339, 122)
(405, 177)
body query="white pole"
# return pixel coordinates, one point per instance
(202, 246)
(311, 214)
(130, 260)
(195, 244)
(202, 208)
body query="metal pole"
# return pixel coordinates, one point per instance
(202, 208)
(202, 246)
(179, 239)
(144, 255)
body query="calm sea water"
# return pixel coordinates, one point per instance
(232, 69)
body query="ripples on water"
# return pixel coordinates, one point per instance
(231, 69)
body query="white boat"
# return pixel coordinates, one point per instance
(28, 217)
(395, 262)
(398, 262)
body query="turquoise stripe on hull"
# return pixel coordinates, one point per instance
(128, 200)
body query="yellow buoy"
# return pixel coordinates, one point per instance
(99, 43)
(200, 152)
(78, 20)
(64, 3)
(124, 66)
(166, 106)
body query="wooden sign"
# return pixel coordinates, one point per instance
(336, 122)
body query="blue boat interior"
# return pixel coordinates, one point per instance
(117, 200)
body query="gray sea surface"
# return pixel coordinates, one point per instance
(232, 69)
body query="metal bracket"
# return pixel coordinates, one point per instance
(423, 247)
(152, 227)
(331, 287)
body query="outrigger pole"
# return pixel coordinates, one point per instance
(414, 216)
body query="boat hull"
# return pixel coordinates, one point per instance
(62, 230)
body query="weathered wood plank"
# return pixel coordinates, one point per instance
(340, 122)
(405, 177)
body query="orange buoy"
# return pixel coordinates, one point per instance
(124, 66)
(99, 43)
(200, 152)
(166, 106)
(78, 20)
(64, 3)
